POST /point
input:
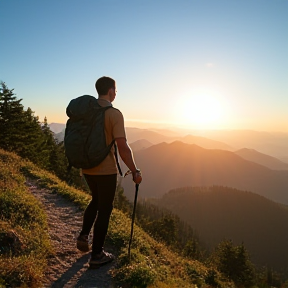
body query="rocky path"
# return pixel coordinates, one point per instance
(68, 267)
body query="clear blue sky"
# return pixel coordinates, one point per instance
(202, 63)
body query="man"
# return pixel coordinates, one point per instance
(102, 179)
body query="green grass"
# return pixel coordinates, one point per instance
(24, 235)
(151, 264)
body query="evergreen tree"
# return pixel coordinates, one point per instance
(11, 117)
(163, 229)
(192, 249)
(19, 129)
(22, 133)
(234, 263)
(31, 137)
(49, 148)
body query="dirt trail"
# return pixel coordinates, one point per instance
(68, 267)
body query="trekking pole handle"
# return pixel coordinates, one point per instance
(133, 173)
(130, 172)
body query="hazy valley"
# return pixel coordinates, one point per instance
(218, 213)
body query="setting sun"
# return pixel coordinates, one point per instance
(200, 110)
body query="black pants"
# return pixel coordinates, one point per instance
(99, 209)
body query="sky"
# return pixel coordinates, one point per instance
(199, 64)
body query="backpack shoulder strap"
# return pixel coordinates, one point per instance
(116, 158)
(113, 141)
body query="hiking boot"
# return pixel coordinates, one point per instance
(101, 259)
(83, 244)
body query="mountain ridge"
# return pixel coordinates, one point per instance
(171, 165)
(262, 159)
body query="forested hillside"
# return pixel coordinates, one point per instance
(218, 213)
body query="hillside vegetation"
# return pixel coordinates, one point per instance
(23, 228)
(222, 212)
(152, 263)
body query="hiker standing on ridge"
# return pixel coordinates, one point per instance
(102, 179)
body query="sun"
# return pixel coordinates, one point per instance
(200, 110)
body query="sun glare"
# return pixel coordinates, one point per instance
(200, 110)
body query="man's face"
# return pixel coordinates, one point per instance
(112, 93)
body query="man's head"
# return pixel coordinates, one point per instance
(106, 86)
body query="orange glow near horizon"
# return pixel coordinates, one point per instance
(200, 109)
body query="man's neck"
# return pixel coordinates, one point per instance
(105, 97)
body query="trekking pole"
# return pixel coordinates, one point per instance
(133, 218)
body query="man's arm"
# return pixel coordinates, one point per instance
(127, 156)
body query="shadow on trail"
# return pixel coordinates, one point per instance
(74, 270)
(80, 276)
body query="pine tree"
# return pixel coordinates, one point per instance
(31, 137)
(22, 133)
(233, 261)
(11, 117)
(49, 148)
(192, 249)
(19, 129)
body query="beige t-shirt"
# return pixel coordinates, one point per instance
(114, 128)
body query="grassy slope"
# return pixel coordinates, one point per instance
(23, 228)
(151, 264)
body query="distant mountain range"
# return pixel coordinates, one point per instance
(57, 127)
(135, 134)
(167, 166)
(219, 213)
(247, 154)
(140, 145)
(273, 144)
(152, 137)
(262, 159)
(270, 143)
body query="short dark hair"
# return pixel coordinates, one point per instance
(103, 85)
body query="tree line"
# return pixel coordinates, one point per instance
(24, 134)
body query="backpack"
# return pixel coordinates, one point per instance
(84, 140)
